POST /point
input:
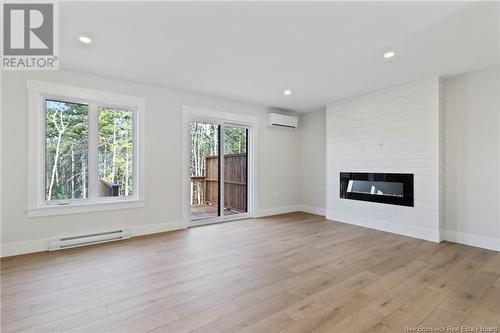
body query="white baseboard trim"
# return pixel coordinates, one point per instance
(420, 233)
(41, 245)
(277, 210)
(25, 247)
(312, 210)
(290, 209)
(485, 242)
(155, 228)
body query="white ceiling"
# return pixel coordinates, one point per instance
(252, 51)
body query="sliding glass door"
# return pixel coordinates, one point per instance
(204, 170)
(215, 180)
(235, 170)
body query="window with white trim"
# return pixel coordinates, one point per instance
(66, 150)
(87, 147)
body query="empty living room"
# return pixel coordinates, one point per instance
(250, 166)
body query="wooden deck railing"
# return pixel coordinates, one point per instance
(107, 188)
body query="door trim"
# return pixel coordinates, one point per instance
(189, 114)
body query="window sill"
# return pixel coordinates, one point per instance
(78, 208)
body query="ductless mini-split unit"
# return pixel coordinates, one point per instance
(83, 240)
(281, 120)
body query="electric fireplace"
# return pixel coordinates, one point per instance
(388, 188)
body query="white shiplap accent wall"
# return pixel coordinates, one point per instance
(397, 130)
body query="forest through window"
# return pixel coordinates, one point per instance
(66, 137)
(116, 151)
(67, 151)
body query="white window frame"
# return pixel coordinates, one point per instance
(38, 92)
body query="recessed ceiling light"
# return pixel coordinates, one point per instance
(84, 39)
(287, 92)
(389, 54)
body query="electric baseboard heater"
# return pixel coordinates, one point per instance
(89, 239)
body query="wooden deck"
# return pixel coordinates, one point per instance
(206, 211)
(287, 273)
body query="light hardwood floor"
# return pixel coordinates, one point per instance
(293, 273)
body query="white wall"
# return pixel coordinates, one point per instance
(472, 158)
(406, 120)
(291, 165)
(277, 163)
(312, 161)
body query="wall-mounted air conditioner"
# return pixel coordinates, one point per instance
(281, 120)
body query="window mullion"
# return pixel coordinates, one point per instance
(93, 151)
